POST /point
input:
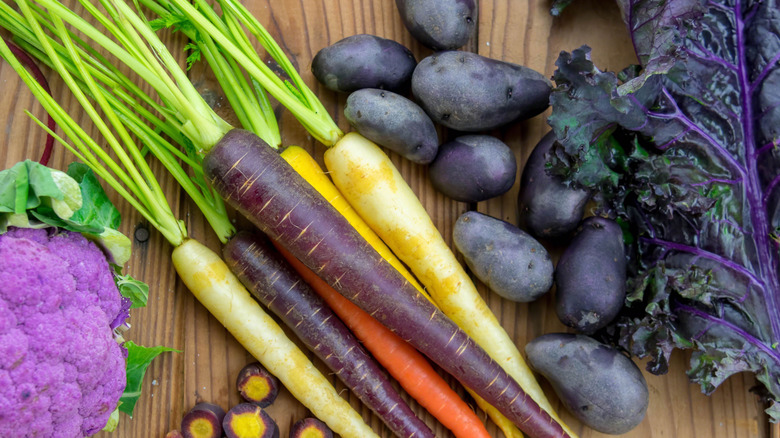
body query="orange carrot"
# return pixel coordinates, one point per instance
(410, 368)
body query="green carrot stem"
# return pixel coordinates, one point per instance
(151, 203)
(317, 122)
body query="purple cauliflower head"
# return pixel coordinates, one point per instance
(61, 370)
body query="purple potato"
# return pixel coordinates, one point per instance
(364, 61)
(507, 259)
(548, 208)
(439, 24)
(473, 168)
(599, 385)
(468, 92)
(591, 276)
(393, 121)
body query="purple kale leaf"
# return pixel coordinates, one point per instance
(683, 149)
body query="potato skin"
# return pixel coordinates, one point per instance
(599, 385)
(591, 276)
(364, 61)
(469, 92)
(507, 259)
(548, 208)
(473, 168)
(393, 121)
(439, 24)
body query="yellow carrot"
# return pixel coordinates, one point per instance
(367, 178)
(212, 283)
(310, 170)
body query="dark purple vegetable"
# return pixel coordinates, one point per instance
(507, 259)
(590, 277)
(393, 121)
(364, 61)
(32, 66)
(439, 24)
(257, 385)
(259, 184)
(277, 286)
(683, 150)
(204, 420)
(548, 208)
(468, 92)
(473, 168)
(597, 383)
(247, 420)
(310, 428)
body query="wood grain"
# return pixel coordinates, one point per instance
(205, 370)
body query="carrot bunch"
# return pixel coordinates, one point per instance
(252, 178)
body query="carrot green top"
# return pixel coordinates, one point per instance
(127, 170)
(227, 32)
(180, 111)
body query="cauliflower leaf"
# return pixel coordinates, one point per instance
(35, 196)
(138, 360)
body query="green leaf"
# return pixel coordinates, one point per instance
(135, 290)
(113, 421)
(47, 216)
(96, 210)
(194, 56)
(54, 198)
(138, 360)
(23, 187)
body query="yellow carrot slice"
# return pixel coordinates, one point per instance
(212, 283)
(367, 178)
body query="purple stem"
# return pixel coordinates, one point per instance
(25, 59)
(767, 263)
(707, 55)
(761, 345)
(767, 147)
(770, 188)
(699, 252)
(678, 114)
(775, 59)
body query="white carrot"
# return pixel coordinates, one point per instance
(214, 285)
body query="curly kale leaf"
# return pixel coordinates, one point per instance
(684, 151)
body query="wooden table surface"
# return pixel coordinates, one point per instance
(519, 31)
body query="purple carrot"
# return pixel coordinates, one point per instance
(28, 62)
(274, 283)
(259, 184)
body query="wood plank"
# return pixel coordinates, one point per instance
(206, 368)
